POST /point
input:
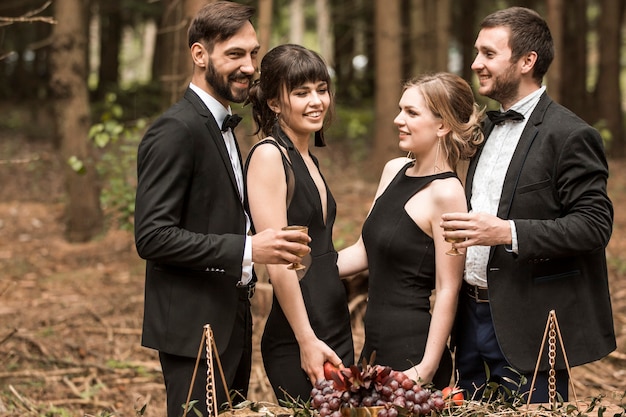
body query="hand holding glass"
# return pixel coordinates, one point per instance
(303, 229)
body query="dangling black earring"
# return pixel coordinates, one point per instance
(319, 139)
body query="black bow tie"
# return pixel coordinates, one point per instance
(230, 122)
(497, 117)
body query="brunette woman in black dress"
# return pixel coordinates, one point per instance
(309, 323)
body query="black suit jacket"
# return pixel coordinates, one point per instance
(190, 227)
(555, 191)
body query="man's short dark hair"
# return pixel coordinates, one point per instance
(216, 22)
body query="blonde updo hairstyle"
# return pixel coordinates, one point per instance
(450, 98)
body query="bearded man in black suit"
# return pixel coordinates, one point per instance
(190, 222)
(539, 224)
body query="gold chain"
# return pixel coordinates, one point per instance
(210, 387)
(552, 361)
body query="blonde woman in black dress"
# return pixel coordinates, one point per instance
(402, 243)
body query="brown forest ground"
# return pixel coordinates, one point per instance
(70, 314)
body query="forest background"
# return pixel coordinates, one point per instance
(81, 79)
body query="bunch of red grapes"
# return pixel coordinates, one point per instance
(377, 386)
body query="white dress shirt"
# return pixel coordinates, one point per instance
(219, 113)
(491, 170)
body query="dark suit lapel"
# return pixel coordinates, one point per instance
(215, 134)
(519, 156)
(237, 146)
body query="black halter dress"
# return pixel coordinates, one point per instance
(324, 294)
(401, 260)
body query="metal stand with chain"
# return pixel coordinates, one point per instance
(211, 396)
(551, 333)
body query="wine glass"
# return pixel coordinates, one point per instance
(304, 229)
(453, 250)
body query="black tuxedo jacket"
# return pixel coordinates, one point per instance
(555, 191)
(190, 227)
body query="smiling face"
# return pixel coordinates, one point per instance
(499, 78)
(303, 109)
(229, 68)
(419, 129)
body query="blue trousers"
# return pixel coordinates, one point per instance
(480, 360)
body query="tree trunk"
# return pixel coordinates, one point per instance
(429, 28)
(347, 27)
(388, 78)
(573, 92)
(110, 44)
(555, 22)
(467, 32)
(173, 63)
(608, 91)
(264, 26)
(296, 21)
(324, 34)
(420, 35)
(442, 34)
(83, 217)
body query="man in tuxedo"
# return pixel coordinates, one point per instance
(539, 223)
(190, 223)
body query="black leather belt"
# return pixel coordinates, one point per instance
(476, 293)
(246, 291)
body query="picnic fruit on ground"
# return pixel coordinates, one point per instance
(374, 386)
(452, 396)
(331, 373)
(329, 368)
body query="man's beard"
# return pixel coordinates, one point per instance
(222, 86)
(505, 87)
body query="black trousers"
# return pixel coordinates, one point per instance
(236, 362)
(477, 348)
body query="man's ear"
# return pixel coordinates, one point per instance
(199, 54)
(528, 62)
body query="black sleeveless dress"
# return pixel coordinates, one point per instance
(401, 260)
(324, 294)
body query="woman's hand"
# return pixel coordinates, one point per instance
(313, 354)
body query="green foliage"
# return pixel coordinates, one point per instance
(11, 120)
(138, 100)
(118, 144)
(605, 132)
(76, 164)
(191, 407)
(57, 412)
(353, 127)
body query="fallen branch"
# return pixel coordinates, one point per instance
(18, 160)
(61, 362)
(82, 401)
(35, 343)
(30, 374)
(23, 401)
(7, 337)
(115, 330)
(5, 289)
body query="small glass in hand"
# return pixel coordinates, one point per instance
(453, 250)
(304, 229)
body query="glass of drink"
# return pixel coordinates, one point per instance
(453, 251)
(303, 229)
